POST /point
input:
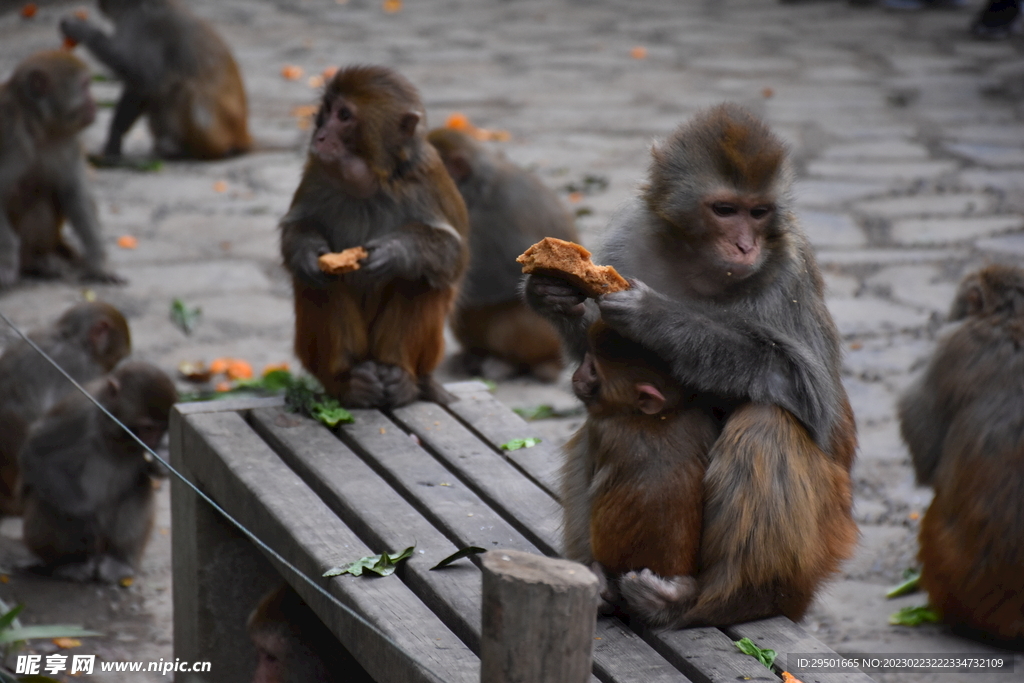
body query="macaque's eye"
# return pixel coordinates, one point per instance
(344, 114)
(760, 212)
(723, 209)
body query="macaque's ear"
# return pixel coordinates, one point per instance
(409, 122)
(649, 399)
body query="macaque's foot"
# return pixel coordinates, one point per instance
(607, 590)
(656, 600)
(399, 386)
(365, 389)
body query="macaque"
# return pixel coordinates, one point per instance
(963, 421)
(374, 336)
(87, 341)
(43, 107)
(509, 209)
(725, 289)
(634, 474)
(86, 484)
(176, 70)
(293, 645)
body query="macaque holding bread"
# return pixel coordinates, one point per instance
(571, 262)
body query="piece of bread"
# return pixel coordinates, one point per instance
(343, 261)
(568, 260)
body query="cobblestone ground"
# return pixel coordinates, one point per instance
(907, 135)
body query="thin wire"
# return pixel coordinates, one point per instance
(224, 513)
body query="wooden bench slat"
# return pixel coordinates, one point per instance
(379, 515)
(707, 655)
(415, 473)
(523, 504)
(237, 468)
(785, 637)
(496, 424)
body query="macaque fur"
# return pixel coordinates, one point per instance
(726, 291)
(509, 209)
(963, 421)
(293, 645)
(88, 340)
(645, 442)
(373, 337)
(176, 70)
(43, 107)
(86, 484)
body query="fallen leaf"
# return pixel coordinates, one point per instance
(458, 121)
(856, 346)
(383, 564)
(911, 584)
(458, 555)
(219, 365)
(127, 242)
(392, 6)
(275, 367)
(915, 616)
(67, 643)
(576, 197)
(185, 317)
(292, 72)
(220, 186)
(761, 654)
(516, 444)
(766, 93)
(315, 82)
(638, 52)
(239, 369)
(914, 515)
(126, 582)
(28, 10)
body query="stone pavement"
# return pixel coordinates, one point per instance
(907, 136)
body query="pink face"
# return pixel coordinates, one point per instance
(334, 145)
(739, 223)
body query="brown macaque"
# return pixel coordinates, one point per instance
(509, 209)
(634, 473)
(293, 645)
(43, 107)
(373, 337)
(725, 288)
(88, 340)
(86, 484)
(963, 421)
(176, 70)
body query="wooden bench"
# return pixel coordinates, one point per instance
(424, 475)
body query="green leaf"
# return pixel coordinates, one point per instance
(911, 584)
(516, 444)
(915, 616)
(383, 564)
(184, 317)
(8, 618)
(763, 655)
(458, 555)
(13, 635)
(330, 412)
(490, 384)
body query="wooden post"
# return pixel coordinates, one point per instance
(539, 616)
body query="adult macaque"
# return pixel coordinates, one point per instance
(374, 336)
(633, 480)
(726, 290)
(43, 107)
(963, 420)
(87, 341)
(86, 484)
(509, 209)
(293, 645)
(176, 70)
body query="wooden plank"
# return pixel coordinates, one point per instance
(496, 424)
(378, 515)
(224, 405)
(785, 637)
(465, 519)
(707, 655)
(524, 505)
(239, 470)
